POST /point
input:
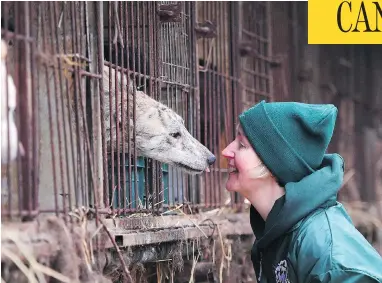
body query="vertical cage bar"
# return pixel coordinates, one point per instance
(24, 97)
(64, 121)
(114, 187)
(134, 104)
(70, 117)
(77, 97)
(222, 23)
(33, 192)
(54, 43)
(155, 94)
(124, 92)
(50, 123)
(79, 21)
(128, 67)
(118, 142)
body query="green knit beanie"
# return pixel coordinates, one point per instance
(291, 138)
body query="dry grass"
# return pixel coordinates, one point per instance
(67, 255)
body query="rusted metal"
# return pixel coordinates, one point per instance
(255, 42)
(111, 106)
(123, 196)
(170, 12)
(96, 195)
(143, 211)
(137, 22)
(222, 90)
(49, 41)
(52, 24)
(134, 153)
(124, 266)
(33, 193)
(147, 84)
(25, 116)
(52, 143)
(173, 70)
(100, 46)
(195, 183)
(248, 48)
(69, 118)
(89, 74)
(155, 29)
(144, 77)
(206, 29)
(129, 152)
(211, 8)
(216, 81)
(9, 34)
(77, 97)
(174, 67)
(27, 215)
(90, 187)
(117, 90)
(276, 61)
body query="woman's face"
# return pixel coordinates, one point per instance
(243, 160)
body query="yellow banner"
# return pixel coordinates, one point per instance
(344, 22)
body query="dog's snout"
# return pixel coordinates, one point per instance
(211, 159)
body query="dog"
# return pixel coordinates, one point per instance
(160, 132)
(10, 145)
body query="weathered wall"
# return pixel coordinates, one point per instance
(345, 75)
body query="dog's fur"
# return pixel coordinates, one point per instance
(160, 132)
(8, 106)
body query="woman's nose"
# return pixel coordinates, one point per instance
(227, 152)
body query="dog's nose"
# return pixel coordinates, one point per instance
(211, 160)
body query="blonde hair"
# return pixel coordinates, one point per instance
(260, 171)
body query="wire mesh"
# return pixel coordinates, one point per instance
(58, 171)
(131, 43)
(87, 158)
(177, 92)
(19, 180)
(255, 49)
(218, 95)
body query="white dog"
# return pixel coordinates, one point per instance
(8, 106)
(160, 131)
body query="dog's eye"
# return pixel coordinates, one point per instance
(175, 135)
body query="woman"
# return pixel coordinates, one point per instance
(278, 162)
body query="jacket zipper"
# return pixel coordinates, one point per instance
(261, 267)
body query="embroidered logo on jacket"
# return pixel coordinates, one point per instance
(281, 272)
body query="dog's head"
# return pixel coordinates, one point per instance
(162, 135)
(160, 131)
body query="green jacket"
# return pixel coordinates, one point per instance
(308, 237)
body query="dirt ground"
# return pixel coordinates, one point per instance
(51, 251)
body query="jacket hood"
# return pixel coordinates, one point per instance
(301, 198)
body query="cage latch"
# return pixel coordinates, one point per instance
(170, 12)
(248, 49)
(276, 61)
(206, 29)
